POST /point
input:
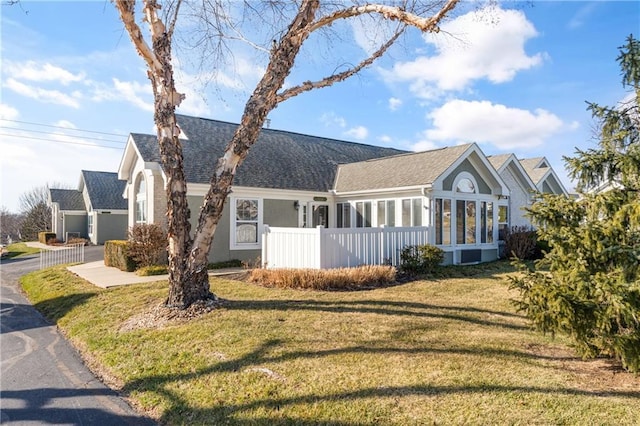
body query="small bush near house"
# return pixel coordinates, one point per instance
(146, 244)
(233, 263)
(363, 277)
(77, 240)
(520, 242)
(45, 237)
(423, 259)
(116, 254)
(147, 271)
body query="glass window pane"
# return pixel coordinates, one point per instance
(438, 221)
(417, 212)
(359, 214)
(246, 232)
(471, 222)
(446, 222)
(483, 222)
(460, 216)
(466, 186)
(339, 215)
(406, 212)
(346, 213)
(391, 213)
(367, 214)
(489, 222)
(382, 220)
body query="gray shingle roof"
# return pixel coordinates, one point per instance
(411, 169)
(105, 190)
(68, 199)
(535, 173)
(279, 159)
(498, 160)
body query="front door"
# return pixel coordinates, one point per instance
(319, 215)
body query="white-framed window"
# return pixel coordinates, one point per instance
(386, 210)
(141, 201)
(465, 222)
(90, 223)
(363, 214)
(246, 218)
(443, 221)
(411, 211)
(343, 215)
(503, 221)
(486, 222)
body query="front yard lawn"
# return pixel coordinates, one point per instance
(445, 351)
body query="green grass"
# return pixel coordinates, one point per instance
(440, 351)
(20, 249)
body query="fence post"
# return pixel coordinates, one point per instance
(265, 245)
(320, 245)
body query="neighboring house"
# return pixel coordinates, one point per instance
(522, 190)
(96, 210)
(543, 176)
(300, 181)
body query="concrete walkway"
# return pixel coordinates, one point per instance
(106, 276)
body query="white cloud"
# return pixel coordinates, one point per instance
(43, 95)
(331, 119)
(495, 124)
(129, 91)
(39, 72)
(65, 123)
(470, 49)
(358, 132)
(394, 103)
(385, 139)
(8, 112)
(581, 16)
(423, 145)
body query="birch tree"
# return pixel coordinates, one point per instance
(188, 255)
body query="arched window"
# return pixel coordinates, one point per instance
(466, 186)
(141, 201)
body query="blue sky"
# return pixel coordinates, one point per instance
(513, 80)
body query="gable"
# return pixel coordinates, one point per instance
(67, 199)
(104, 190)
(466, 166)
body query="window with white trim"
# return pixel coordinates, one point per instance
(363, 214)
(90, 223)
(411, 212)
(486, 222)
(503, 222)
(386, 212)
(141, 201)
(246, 221)
(443, 221)
(343, 215)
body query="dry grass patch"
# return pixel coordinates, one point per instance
(448, 351)
(363, 277)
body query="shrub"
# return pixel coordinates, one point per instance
(116, 255)
(424, 259)
(76, 240)
(148, 271)
(328, 279)
(520, 242)
(146, 244)
(233, 263)
(44, 237)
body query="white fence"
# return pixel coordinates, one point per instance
(324, 248)
(72, 253)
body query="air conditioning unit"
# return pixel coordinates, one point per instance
(71, 235)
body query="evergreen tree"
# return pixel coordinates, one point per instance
(588, 284)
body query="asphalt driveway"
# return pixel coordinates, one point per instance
(42, 378)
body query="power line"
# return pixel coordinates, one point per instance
(59, 134)
(60, 127)
(70, 143)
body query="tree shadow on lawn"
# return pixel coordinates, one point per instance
(58, 307)
(382, 307)
(180, 407)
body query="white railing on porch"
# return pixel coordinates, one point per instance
(324, 248)
(72, 253)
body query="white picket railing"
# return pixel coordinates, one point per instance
(324, 248)
(72, 253)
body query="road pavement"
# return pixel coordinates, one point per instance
(42, 378)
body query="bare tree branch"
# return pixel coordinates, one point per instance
(393, 13)
(328, 81)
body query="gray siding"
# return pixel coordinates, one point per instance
(466, 166)
(280, 213)
(76, 223)
(110, 227)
